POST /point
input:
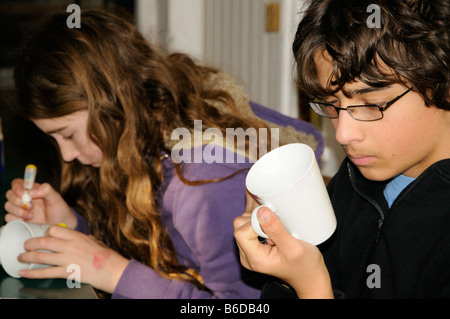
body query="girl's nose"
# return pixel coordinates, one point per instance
(68, 152)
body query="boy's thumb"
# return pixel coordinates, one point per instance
(272, 227)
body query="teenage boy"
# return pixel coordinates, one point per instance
(386, 90)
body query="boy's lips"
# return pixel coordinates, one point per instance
(361, 160)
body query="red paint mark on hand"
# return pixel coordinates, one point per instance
(100, 259)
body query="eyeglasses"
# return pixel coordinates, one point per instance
(365, 113)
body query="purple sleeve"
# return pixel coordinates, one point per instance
(82, 223)
(203, 216)
(142, 282)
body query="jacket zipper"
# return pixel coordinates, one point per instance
(370, 200)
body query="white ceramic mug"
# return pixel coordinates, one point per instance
(12, 239)
(288, 181)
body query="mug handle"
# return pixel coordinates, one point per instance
(255, 223)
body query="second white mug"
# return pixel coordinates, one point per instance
(12, 239)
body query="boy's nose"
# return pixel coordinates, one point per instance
(348, 130)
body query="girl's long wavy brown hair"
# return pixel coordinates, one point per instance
(135, 96)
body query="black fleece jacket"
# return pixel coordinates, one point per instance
(381, 252)
(397, 252)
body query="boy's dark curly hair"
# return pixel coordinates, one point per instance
(411, 46)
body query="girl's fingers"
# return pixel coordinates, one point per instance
(49, 272)
(61, 231)
(16, 212)
(45, 191)
(13, 198)
(41, 257)
(56, 240)
(17, 186)
(44, 243)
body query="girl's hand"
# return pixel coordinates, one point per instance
(47, 205)
(99, 265)
(296, 262)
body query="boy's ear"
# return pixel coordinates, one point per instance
(429, 94)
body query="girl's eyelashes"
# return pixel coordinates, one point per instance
(68, 137)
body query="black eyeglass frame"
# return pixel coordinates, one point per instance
(382, 109)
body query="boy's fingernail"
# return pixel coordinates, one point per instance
(263, 214)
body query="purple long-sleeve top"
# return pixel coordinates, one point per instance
(199, 220)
